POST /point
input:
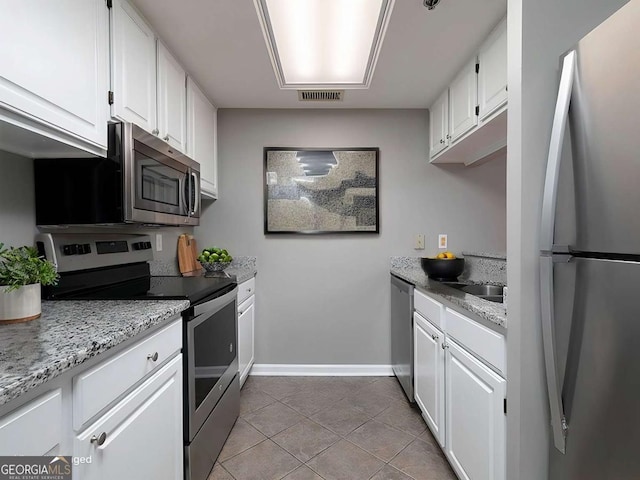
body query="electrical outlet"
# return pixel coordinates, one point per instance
(419, 242)
(442, 240)
(158, 242)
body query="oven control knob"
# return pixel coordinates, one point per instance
(153, 356)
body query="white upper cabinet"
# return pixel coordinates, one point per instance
(133, 67)
(172, 100)
(54, 71)
(477, 111)
(439, 124)
(463, 98)
(492, 78)
(201, 138)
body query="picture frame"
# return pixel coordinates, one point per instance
(321, 190)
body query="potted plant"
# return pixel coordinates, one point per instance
(22, 271)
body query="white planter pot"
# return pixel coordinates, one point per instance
(20, 305)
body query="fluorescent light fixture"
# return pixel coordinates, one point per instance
(324, 43)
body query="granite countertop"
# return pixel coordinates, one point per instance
(413, 273)
(243, 268)
(69, 333)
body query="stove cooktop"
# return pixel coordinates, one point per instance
(194, 289)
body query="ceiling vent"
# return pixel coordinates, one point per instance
(320, 95)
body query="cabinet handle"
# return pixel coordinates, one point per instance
(441, 141)
(153, 356)
(231, 347)
(448, 137)
(240, 312)
(435, 337)
(445, 346)
(100, 439)
(249, 290)
(166, 138)
(155, 131)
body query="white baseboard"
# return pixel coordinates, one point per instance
(266, 369)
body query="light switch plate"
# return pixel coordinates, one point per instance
(158, 242)
(419, 242)
(442, 240)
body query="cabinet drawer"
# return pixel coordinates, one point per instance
(246, 289)
(487, 344)
(429, 308)
(35, 428)
(100, 386)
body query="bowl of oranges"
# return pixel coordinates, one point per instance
(445, 267)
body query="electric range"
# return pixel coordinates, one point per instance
(116, 267)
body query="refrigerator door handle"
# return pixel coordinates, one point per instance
(548, 219)
(558, 420)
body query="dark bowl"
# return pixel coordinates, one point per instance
(443, 270)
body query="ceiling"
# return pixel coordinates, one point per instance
(220, 43)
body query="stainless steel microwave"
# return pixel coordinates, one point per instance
(143, 180)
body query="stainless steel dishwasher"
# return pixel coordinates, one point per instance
(402, 333)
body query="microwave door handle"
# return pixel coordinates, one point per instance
(190, 189)
(195, 196)
(183, 195)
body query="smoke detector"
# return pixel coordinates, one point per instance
(430, 4)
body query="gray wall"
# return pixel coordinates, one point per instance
(325, 300)
(539, 32)
(17, 200)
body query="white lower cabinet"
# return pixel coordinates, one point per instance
(120, 414)
(246, 328)
(141, 437)
(459, 387)
(429, 374)
(475, 418)
(22, 432)
(245, 338)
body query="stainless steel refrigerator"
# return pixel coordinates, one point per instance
(590, 259)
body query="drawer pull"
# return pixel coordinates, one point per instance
(240, 312)
(435, 337)
(445, 346)
(153, 356)
(100, 439)
(249, 290)
(231, 347)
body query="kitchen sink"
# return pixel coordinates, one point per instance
(491, 290)
(492, 293)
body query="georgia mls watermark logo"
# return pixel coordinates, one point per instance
(35, 468)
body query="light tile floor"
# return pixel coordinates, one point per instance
(331, 428)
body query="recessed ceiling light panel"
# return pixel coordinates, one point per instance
(321, 43)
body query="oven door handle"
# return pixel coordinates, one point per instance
(214, 305)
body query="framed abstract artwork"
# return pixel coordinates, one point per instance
(321, 190)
